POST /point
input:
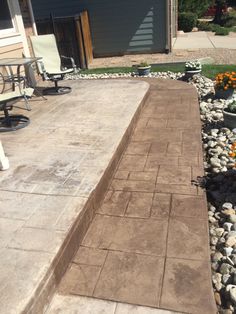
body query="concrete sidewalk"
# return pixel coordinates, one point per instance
(148, 243)
(208, 40)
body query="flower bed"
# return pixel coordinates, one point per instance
(219, 145)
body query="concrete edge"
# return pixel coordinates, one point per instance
(47, 287)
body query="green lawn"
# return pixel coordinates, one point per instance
(208, 70)
(211, 70)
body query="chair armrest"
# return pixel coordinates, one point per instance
(72, 62)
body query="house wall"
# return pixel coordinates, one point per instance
(117, 27)
(11, 51)
(12, 44)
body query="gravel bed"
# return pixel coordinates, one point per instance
(219, 55)
(219, 182)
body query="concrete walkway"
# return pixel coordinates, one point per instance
(148, 242)
(199, 40)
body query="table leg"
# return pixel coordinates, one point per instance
(12, 78)
(19, 77)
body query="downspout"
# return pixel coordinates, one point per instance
(35, 32)
(168, 27)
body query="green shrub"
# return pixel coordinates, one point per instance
(143, 64)
(199, 7)
(204, 26)
(229, 19)
(216, 28)
(186, 21)
(222, 31)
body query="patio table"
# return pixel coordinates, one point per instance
(9, 63)
(14, 122)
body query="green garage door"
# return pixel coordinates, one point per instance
(117, 26)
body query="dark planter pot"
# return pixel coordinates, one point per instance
(224, 94)
(191, 73)
(142, 71)
(229, 119)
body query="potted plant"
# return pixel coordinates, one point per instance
(225, 85)
(143, 68)
(229, 114)
(192, 67)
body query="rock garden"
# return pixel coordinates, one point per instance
(219, 145)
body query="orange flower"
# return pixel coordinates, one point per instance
(226, 80)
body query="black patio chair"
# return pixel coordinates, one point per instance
(13, 122)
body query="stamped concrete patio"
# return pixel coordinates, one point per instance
(147, 243)
(59, 168)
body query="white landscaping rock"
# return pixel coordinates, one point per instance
(232, 293)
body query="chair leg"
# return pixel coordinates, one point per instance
(7, 119)
(27, 103)
(57, 90)
(39, 93)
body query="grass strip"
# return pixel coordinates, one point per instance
(208, 70)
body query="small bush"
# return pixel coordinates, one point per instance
(187, 21)
(216, 28)
(232, 107)
(204, 26)
(222, 31)
(229, 19)
(199, 7)
(143, 64)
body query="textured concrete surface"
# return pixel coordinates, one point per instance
(56, 164)
(194, 40)
(84, 305)
(148, 243)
